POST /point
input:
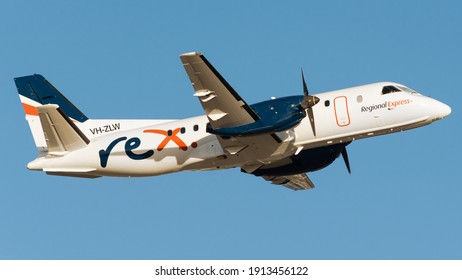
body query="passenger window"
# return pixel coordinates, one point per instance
(389, 89)
(169, 132)
(327, 103)
(183, 130)
(196, 127)
(359, 98)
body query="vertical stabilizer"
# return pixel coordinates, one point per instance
(35, 91)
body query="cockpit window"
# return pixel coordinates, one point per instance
(405, 89)
(390, 89)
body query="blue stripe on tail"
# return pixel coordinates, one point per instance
(37, 88)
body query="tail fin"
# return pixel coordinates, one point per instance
(35, 91)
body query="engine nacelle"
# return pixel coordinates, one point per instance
(306, 161)
(275, 115)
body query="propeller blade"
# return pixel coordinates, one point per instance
(305, 88)
(345, 158)
(308, 102)
(311, 118)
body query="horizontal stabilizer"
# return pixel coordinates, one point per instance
(71, 172)
(61, 134)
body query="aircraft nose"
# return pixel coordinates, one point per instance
(442, 110)
(439, 110)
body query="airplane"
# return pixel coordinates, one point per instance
(280, 139)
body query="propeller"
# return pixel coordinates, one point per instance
(307, 103)
(345, 158)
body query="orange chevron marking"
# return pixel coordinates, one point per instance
(30, 110)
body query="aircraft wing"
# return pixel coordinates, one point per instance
(222, 104)
(296, 182)
(225, 108)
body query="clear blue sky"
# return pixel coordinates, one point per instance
(119, 59)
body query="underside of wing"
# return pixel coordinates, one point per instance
(295, 182)
(221, 103)
(258, 148)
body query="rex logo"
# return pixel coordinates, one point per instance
(134, 142)
(170, 135)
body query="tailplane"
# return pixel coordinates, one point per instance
(34, 92)
(61, 134)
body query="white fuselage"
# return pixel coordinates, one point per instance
(154, 147)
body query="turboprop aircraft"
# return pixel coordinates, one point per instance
(279, 140)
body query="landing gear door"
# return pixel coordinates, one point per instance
(342, 114)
